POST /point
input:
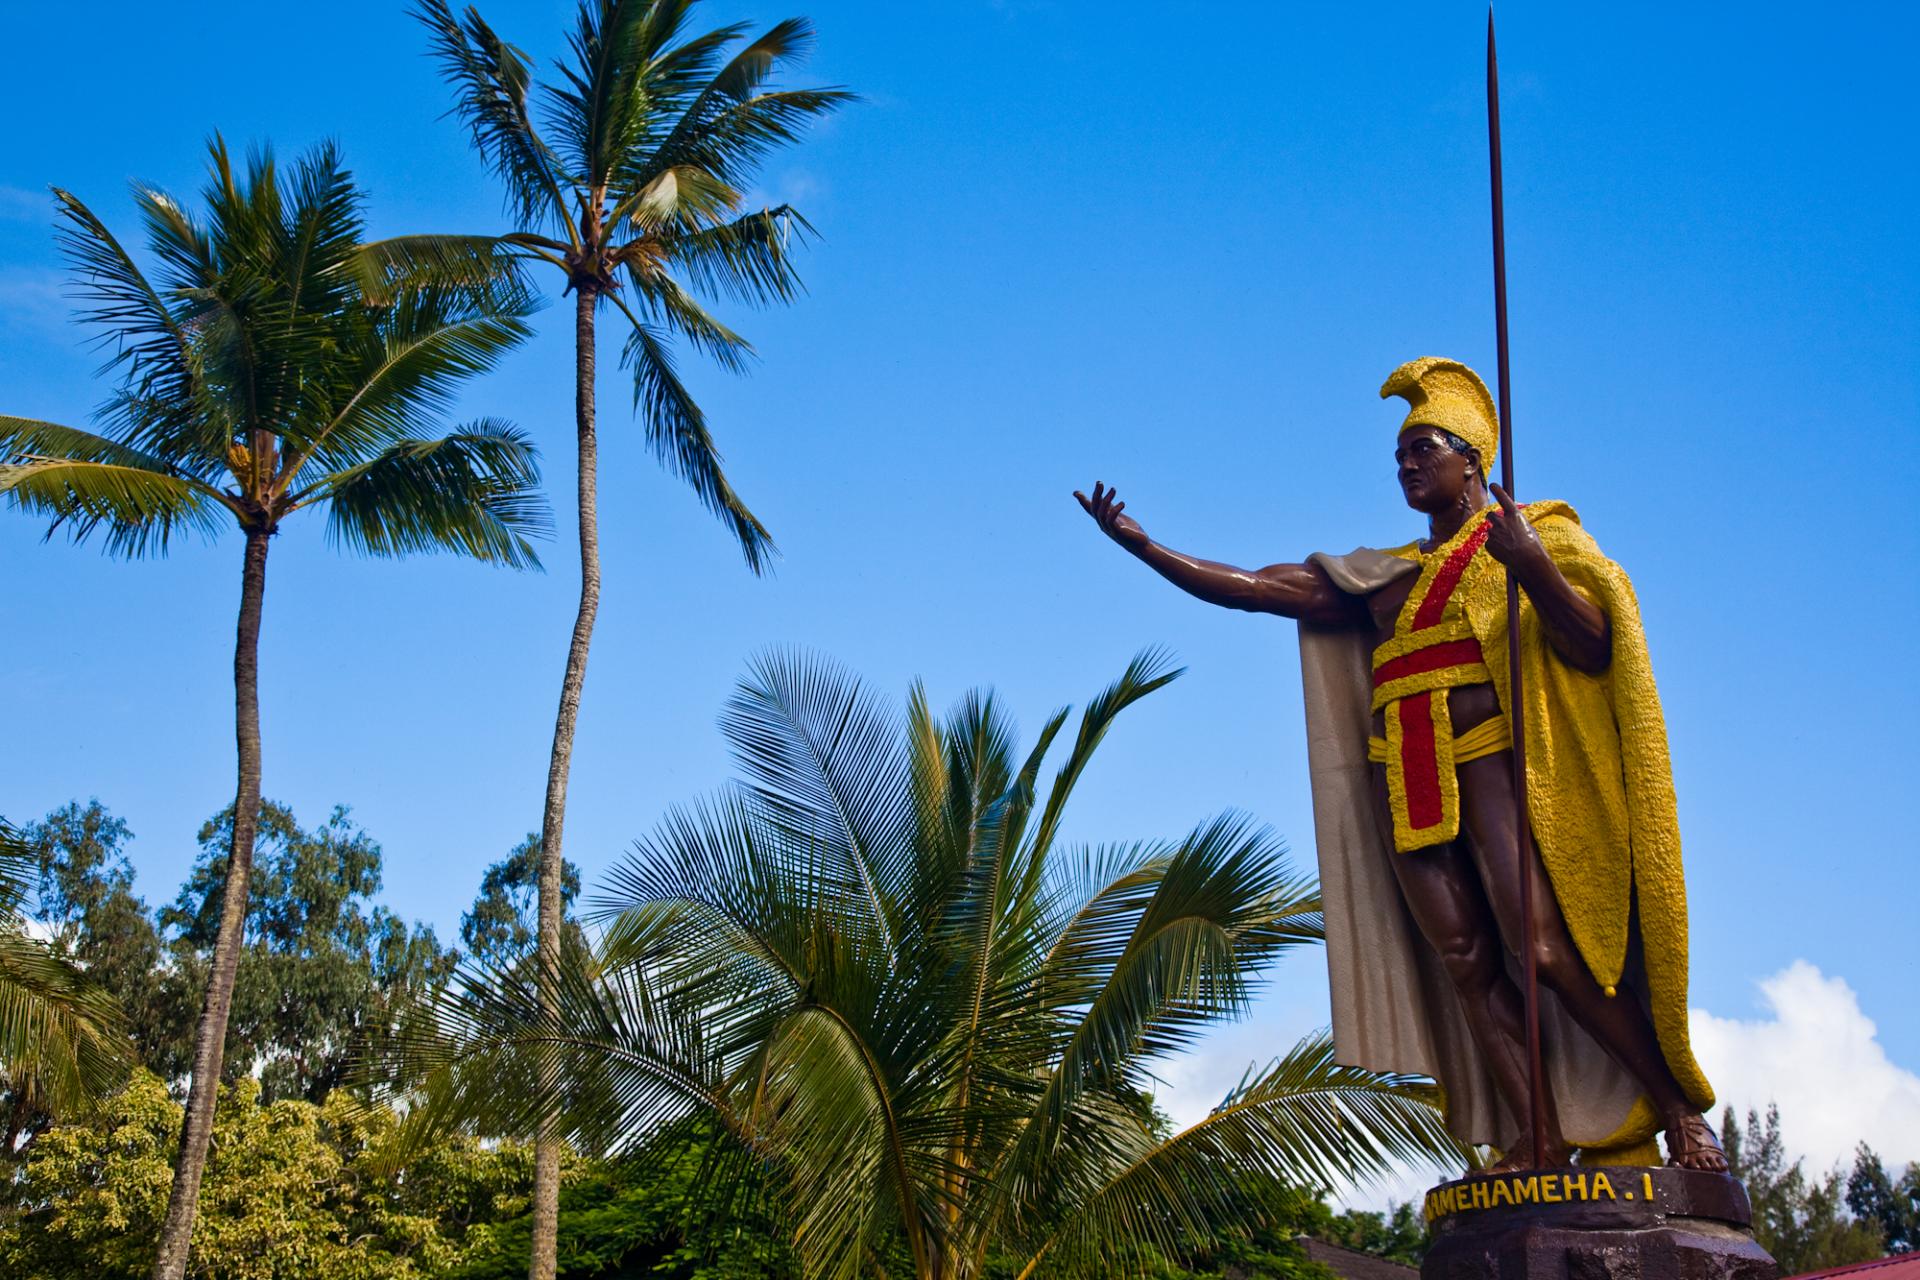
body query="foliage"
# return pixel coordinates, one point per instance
(1398, 1235)
(325, 974)
(873, 969)
(1799, 1218)
(88, 908)
(629, 174)
(1876, 1196)
(272, 365)
(322, 980)
(498, 931)
(292, 1189)
(647, 1216)
(62, 1039)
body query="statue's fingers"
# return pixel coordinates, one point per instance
(1084, 504)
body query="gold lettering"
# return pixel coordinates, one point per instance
(1646, 1180)
(1502, 1192)
(1480, 1193)
(1550, 1190)
(1602, 1187)
(1576, 1186)
(1526, 1190)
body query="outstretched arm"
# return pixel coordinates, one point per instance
(1290, 590)
(1576, 627)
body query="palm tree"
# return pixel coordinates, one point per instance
(631, 185)
(275, 364)
(874, 965)
(62, 1040)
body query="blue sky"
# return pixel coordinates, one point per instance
(1174, 250)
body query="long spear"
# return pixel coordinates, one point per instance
(1536, 1095)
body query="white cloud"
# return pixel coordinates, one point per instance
(1819, 1057)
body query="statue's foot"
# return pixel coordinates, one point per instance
(1692, 1144)
(1520, 1158)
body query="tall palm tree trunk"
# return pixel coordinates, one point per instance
(546, 1148)
(210, 1038)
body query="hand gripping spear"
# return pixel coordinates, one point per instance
(1536, 1096)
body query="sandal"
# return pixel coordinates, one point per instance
(1692, 1144)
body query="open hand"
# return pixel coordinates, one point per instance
(1511, 538)
(1109, 513)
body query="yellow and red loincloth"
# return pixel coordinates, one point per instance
(1433, 649)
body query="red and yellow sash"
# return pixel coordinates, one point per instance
(1433, 649)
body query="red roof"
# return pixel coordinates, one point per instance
(1902, 1266)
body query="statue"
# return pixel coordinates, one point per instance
(1404, 655)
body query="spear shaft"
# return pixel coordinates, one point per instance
(1516, 703)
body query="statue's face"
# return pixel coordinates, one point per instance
(1432, 475)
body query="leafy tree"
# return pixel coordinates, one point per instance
(648, 1216)
(322, 980)
(274, 365)
(876, 972)
(292, 1190)
(61, 1039)
(95, 920)
(631, 184)
(1874, 1195)
(1800, 1219)
(1398, 1235)
(501, 928)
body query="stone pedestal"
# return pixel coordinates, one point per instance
(1606, 1223)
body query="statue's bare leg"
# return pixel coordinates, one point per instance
(1442, 889)
(1621, 1025)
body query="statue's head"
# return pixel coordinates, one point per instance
(1451, 434)
(1437, 469)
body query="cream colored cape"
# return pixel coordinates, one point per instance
(1601, 801)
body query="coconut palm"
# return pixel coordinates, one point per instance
(273, 365)
(631, 184)
(876, 966)
(62, 1040)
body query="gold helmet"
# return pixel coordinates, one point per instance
(1446, 394)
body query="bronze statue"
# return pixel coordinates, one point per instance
(1404, 654)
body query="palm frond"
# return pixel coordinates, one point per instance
(734, 139)
(1148, 971)
(610, 1060)
(820, 753)
(749, 259)
(682, 197)
(664, 302)
(62, 1037)
(491, 80)
(712, 124)
(87, 483)
(676, 431)
(1306, 1122)
(414, 358)
(19, 867)
(608, 104)
(489, 266)
(151, 344)
(1149, 670)
(475, 491)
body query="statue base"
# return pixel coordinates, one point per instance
(1601, 1223)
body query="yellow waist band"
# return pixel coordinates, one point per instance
(1484, 739)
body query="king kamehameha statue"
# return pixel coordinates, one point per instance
(1404, 653)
